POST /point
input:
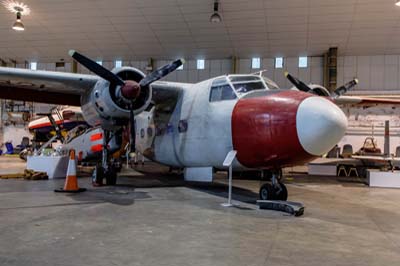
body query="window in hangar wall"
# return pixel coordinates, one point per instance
(255, 63)
(279, 62)
(33, 65)
(118, 63)
(200, 64)
(303, 61)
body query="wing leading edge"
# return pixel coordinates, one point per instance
(44, 86)
(365, 101)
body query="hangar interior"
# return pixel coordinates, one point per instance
(150, 145)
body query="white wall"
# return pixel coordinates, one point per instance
(379, 73)
(15, 134)
(313, 73)
(375, 73)
(190, 73)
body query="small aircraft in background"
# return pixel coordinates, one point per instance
(369, 153)
(194, 126)
(67, 125)
(64, 117)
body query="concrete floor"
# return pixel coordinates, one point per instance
(157, 219)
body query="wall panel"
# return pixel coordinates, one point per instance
(375, 73)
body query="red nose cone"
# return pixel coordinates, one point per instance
(131, 90)
(264, 130)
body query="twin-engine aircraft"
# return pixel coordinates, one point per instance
(194, 126)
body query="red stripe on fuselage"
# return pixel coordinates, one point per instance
(96, 137)
(264, 130)
(96, 148)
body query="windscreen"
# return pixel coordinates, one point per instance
(244, 84)
(271, 85)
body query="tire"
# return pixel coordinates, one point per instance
(98, 176)
(111, 177)
(283, 195)
(266, 192)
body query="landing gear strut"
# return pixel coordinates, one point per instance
(275, 190)
(106, 169)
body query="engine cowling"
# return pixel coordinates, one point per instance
(106, 106)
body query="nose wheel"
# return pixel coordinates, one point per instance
(275, 190)
(269, 192)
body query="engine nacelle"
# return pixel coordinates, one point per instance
(319, 90)
(104, 105)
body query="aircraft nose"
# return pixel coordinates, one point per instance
(320, 125)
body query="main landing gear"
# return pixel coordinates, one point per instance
(275, 190)
(109, 173)
(107, 169)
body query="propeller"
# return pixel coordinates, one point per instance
(161, 72)
(345, 88)
(96, 68)
(335, 94)
(297, 83)
(129, 89)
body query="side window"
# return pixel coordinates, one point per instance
(215, 94)
(227, 93)
(221, 90)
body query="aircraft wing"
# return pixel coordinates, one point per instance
(365, 101)
(44, 86)
(378, 159)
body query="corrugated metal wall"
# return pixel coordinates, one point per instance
(376, 73)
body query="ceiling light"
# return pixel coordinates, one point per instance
(18, 26)
(216, 17)
(397, 3)
(15, 7)
(19, 9)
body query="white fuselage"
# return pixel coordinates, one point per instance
(206, 141)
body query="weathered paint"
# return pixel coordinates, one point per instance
(264, 130)
(206, 141)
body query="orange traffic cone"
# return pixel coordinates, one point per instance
(71, 182)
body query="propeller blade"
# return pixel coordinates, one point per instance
(161, 72)
(96, 68)
(345, 88)
(132, 130)
(297, 83)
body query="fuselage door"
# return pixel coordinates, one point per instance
(221, 101)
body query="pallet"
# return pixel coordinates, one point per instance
(294, 208)
(27, 175)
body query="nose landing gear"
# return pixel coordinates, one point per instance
(275, 190)
(273, 195)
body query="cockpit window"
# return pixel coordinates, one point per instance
(271, 85)
(244, 84)
(221, 90)
(234, 79)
